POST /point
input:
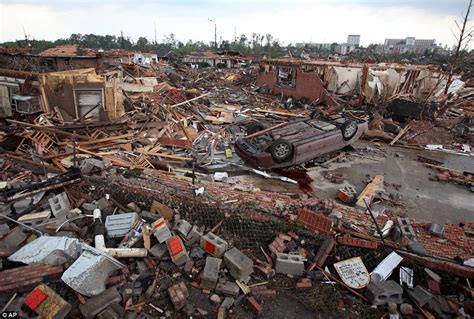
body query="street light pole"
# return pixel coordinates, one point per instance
(215, 32)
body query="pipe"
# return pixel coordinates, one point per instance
(99, 241)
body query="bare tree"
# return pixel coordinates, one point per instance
(463, 40)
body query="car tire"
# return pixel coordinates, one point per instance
(349, 129)
(281, 150)
(255, 127)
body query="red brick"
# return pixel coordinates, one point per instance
(304, 283)
(356, 242)
(262, 293)
(255, 305)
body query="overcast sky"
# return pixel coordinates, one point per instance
(290, 21)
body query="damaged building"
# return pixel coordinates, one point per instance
(372, 83)
(71, 94)
(224, 59)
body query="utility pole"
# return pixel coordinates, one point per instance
(155, 34)
(121, 37)
(215, 32)
(235, 33)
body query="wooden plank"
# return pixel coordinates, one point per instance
(267, 130)
(191, 100)
(105, 139)
(400, 134)
(178, 158)
(113, 160)
(170, 141)
(49, 129)
(370, 191)
(279, 113)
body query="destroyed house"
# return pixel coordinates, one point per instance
(68, 95)
(323, 80)
(68, 57)
(114, 57)
(224, 59)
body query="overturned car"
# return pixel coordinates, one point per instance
(299, 141)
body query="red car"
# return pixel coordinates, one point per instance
(298, 142)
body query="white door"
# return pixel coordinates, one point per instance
(86, 100)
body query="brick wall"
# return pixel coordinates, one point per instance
(308, 85)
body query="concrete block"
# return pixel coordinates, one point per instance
(34, 218)
(436, 229)
(159, 250)
(10, 243)
(406, 227)
(227, 288)
(60, 205)
(99, 303)
(47, 303)
(183, 227)
(22, 204)
(213, 244)
(177, 251)
(383, 292)
(4, 229)
(240, 266)
(119, 225)
(417, 247)
(161, 230)
(420, 295)
(88, 164)
(210, 273)
(194, 235)
(227, 303)
(289, 264)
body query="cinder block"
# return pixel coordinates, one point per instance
(88, 164)
(60, 205)
(289, 264)
(406, 227)
(161, 230)
(97, 304)
(183, 227)
(420, 295)
(210, 273)
(214, 245)
(240, 266)
(119, 225)
(383, 292)
(177, 251)
(227, 288)
(194, 236)
(417, 247)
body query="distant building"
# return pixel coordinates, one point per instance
(345, 48)
(229, 59)
(69, 57)
(353, 39)
(310, 45)
(409, 45)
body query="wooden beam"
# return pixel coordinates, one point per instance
(400, 134)
(279, 113)
(267, 130)
(105, 139)
(115, 161)
(49, 129)
(191, 100)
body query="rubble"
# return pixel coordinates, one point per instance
(151, 213)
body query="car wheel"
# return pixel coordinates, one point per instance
(255, 127)
(349, 129)
(281, 150)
